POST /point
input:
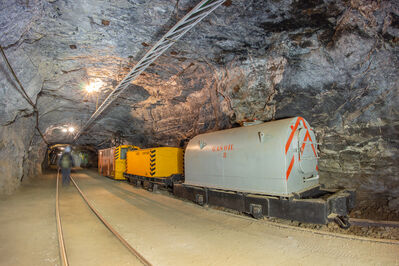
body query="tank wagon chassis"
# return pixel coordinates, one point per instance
(153, 182)
(315, 205)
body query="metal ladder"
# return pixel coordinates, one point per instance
(193, 17)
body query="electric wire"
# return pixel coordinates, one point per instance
(23, 93)
(22, 90)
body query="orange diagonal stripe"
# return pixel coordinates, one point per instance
(287, 145)
(290, 167)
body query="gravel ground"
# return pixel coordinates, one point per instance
(165, 230)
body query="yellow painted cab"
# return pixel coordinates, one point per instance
(112, 161)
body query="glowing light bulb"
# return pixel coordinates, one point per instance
(71, 129)
(64, 130)
(94, 86)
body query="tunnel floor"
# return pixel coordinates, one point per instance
(165, 230)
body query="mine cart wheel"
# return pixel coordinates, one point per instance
(256, 211)
(154, 187)
(342, 221)
(135, 182)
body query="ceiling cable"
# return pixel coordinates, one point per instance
(200, 11)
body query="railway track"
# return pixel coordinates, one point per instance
(354, 238)
(61, 240)
(353, 221)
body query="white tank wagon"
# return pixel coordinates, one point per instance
(263, 169)
(275, 158)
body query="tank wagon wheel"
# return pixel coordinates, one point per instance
(342, 221)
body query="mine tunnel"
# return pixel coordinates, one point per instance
(213, 132)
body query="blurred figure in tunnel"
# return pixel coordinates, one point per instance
(65, 163)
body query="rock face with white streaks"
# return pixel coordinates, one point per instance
(333, 62)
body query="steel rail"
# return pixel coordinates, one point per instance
(61, 243)
(110, 228)
(367, 222)
(313, 231)
(200, 11)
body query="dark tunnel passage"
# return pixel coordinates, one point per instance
(83, 156)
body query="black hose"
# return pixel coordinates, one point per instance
(342, 221)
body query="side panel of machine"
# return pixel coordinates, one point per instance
(168, 161)
(106, 162)
(137, 162)
(99, 163)
(248, 159)
(155, 162)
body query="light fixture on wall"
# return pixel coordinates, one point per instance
(67, 129)
(94, 86)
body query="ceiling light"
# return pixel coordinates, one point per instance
(71, 129)
(64, 130)
(94, 86)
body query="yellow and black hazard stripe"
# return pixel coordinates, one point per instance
(116, 155)
(153, 162)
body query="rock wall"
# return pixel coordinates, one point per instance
(19, 142)
(15, 140)
(335, 64)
